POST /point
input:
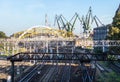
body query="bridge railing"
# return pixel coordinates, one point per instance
(80, 57)
(85, 57)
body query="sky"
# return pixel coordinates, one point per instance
(19, 15)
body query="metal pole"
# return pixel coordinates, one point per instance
(12, 71)
(94, 72)
(5, 48)
(13, 49)
(103, 46)
(57, 49)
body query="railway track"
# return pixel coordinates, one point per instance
(30, 75)
(100, 67)
(46, 75)
(66, 74)
(59, 73)
(115, 68)
(49, 75)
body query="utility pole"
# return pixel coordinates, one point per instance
(46, 20)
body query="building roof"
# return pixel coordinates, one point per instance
(103, 27)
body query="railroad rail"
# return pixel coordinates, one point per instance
(81, 57)
(30, 75)
(115, 68)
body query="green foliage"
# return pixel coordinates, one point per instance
(114, 33)
(16, 35)
(1, 47)
(98, 49)
(116, 20)
(112, 57)
(109, 77)
(2, 35)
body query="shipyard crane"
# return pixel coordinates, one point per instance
(88, 20)
(66, 25)
(85, 21)
(97, 21)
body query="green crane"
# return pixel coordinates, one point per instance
(66, 25)
(86, 21)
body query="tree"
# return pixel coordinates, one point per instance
(114, 33)
(116, 20)
(2, 34)
(16, 35)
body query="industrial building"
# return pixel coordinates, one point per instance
(101, 33)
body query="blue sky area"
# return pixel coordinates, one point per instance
(18, 15)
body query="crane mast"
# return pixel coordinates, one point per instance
(85, 21)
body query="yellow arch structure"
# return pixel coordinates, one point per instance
(43, 30)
